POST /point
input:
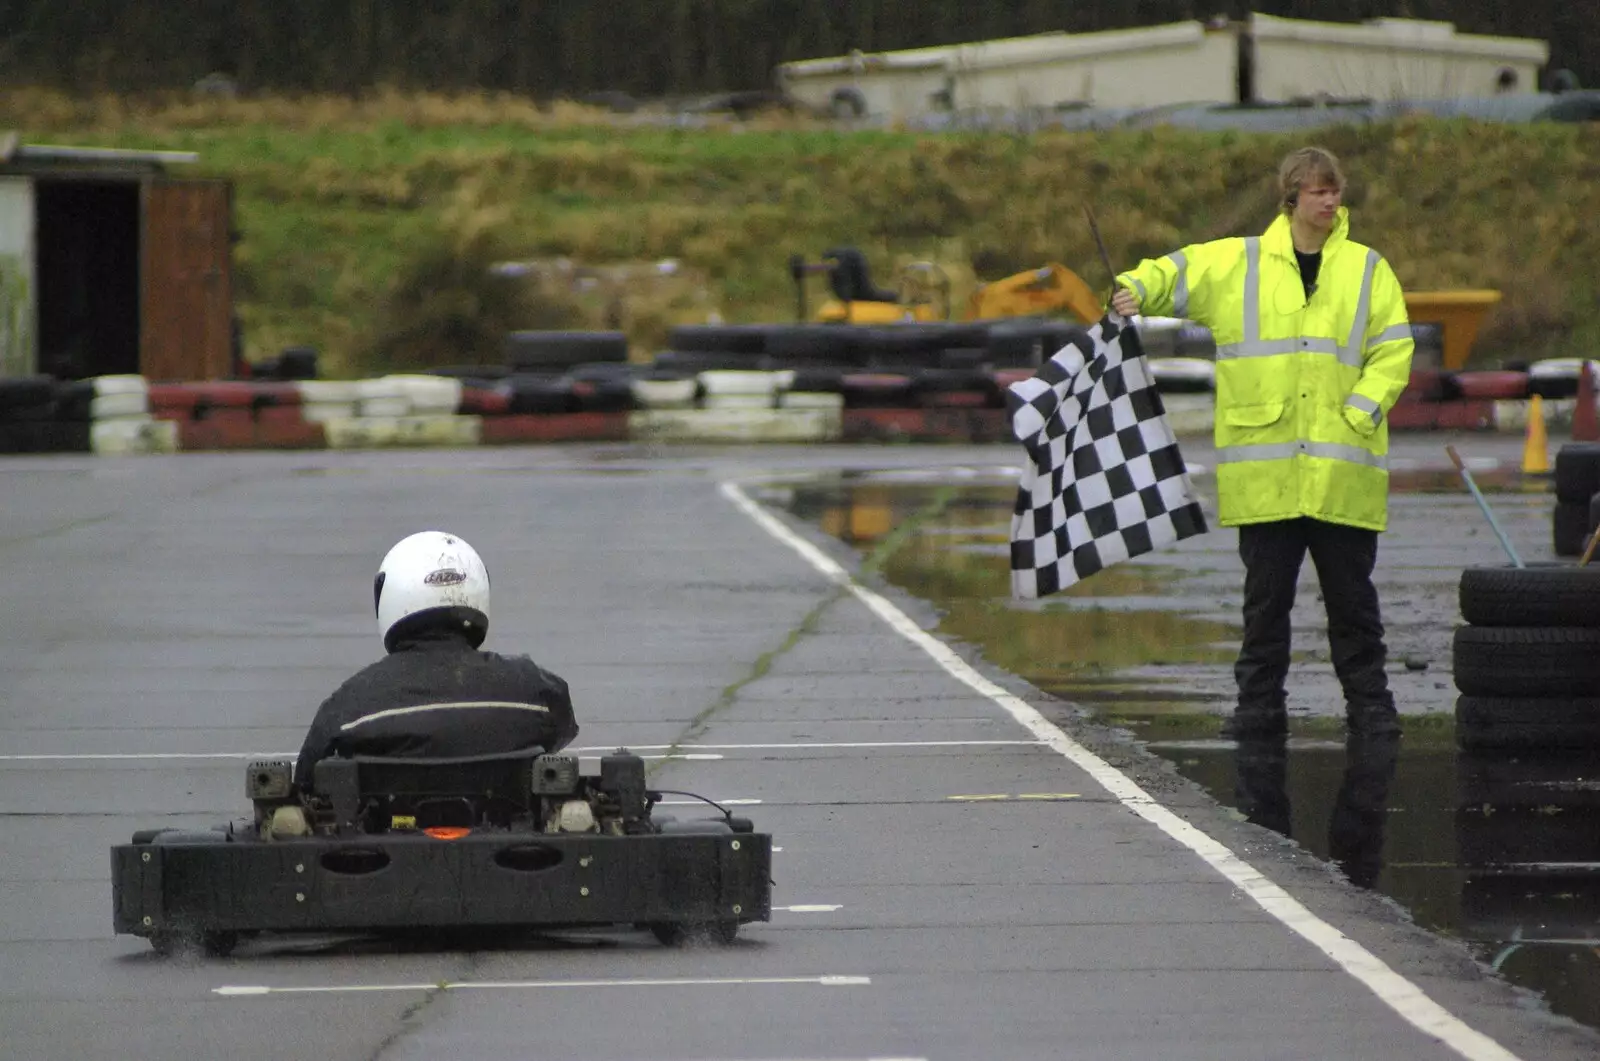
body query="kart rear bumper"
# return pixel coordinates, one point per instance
(195, 883)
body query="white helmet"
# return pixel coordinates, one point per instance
(431, 580)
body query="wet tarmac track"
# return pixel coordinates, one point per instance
(957, 878)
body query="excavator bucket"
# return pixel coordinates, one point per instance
(1049, 289)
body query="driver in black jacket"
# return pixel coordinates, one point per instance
(435, 694)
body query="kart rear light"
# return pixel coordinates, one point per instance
(447, 832)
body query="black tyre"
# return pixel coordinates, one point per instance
(878, 391)
(556, 350)
(1541, 595)
(1026, 344)
(540, 394)
(726, 338)
(603, 395)
(692, 362)
(75, 400)
(1522, 661)
(26, 391)
(817, 344)
(296, 362)
(471, 372)
(1552, 388)
(1577, 472)
(213, 943)
(970, 357)
(1569, 527)
(32, 414)
(955, 381)
(818, 380)
(1498, 722)
(44, 436)
(218, 944)
(676, 934)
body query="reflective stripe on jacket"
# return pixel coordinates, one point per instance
(1303, 384)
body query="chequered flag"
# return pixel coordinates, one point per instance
(1104, 479)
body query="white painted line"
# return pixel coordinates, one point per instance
(256, 990)
(812, 908)
(703, 803)
(852, 744)
(160, 756)
(1395, 991)
(696, 752)
(145, 756)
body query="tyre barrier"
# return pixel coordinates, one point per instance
(1527, 660)
(1576, 514)
(960, 389)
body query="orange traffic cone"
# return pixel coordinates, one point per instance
(1585, 428)
(1536, 444)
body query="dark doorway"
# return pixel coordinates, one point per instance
(88, 277)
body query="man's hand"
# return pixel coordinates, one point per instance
(1125, 302)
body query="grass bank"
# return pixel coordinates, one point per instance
(368, 224)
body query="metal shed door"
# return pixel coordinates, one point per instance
(186, 284)
(17, 356)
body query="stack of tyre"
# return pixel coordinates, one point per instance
(1527, 662)
(41, 414)
(552, 372)
(28, 414)
(1577, 483)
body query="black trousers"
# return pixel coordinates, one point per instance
(1344, 558)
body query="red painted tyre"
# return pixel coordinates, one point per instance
(1492, 385)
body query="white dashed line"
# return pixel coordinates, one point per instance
(257, 990)
(812, 908)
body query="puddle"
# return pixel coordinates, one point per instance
(1501, 852)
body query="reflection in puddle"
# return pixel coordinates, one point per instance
(1500, 851)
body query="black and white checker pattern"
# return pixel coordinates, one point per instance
(1104, 479)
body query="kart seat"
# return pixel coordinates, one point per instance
(464, 786)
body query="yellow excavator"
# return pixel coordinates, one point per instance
(924, 293)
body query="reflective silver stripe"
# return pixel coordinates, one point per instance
(1143, 294)
(1285, 450)
(1180, 294)
(1366, 405)
(1390, 334)
(393, 712)
(1356, 348)
(1252, 289)
(1268, 347)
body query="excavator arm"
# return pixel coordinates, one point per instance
(1047, 289)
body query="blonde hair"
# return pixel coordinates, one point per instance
(1307, 165)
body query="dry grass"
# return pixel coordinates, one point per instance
(344, 202)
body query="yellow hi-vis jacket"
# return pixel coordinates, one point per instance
(1303, 384)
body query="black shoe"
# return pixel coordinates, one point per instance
(1251, 724)
(1372, 720)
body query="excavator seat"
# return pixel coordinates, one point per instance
(850, 278)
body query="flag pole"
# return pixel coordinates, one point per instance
(1105, 258)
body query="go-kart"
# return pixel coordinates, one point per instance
(394, 844)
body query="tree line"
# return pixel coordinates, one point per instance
(646, 48)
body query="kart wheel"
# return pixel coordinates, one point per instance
(214, 944)
(218, 944)
(674, 934)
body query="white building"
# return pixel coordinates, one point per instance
(1261, 60)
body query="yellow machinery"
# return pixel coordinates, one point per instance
(924, 293)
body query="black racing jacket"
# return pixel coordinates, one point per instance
(438, 697)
